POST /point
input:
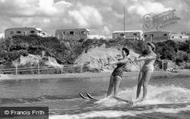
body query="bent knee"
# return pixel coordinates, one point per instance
(145, 84)
(118, 78)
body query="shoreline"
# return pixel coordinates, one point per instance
(132, 75)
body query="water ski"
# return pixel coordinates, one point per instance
(87, 96)
(82, 96)
(124, 100)
(90, 96)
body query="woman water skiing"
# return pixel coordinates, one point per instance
(117, 74)
(115, 78)
(146, 71)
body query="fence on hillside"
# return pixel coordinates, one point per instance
(42, 70)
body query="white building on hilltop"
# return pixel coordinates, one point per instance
(72, 34)
(24, 31)
(128, 34)
(156, 36)
(96, 37)
(179, 37)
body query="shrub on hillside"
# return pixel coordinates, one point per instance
(166, 50)
(184, 46)
(68, 51)
(182, 57)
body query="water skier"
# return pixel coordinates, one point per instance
(115, 78)
(117, 74)
(146, 71)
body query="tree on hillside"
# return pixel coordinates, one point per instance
(166, 50)
(182, 57)
(184, 46)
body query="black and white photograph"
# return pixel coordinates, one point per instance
(94, 59)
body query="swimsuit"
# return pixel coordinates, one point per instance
(148, 65)
(118, 71)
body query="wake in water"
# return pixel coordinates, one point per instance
(156, 95)
(160, 101)
(146, 114)
(167, 94)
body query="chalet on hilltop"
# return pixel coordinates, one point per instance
(157, 36)
(72, 34)
(24, 31)
(128, 34)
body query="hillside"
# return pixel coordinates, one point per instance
(93, 54)
(98, 59)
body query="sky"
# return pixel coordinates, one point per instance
(101, 17)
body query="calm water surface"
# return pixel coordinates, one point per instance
(167, 98)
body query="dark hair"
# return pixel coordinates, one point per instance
(145, 52)
(121, 64)
(126, 50)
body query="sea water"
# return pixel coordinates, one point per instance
(167, 98)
